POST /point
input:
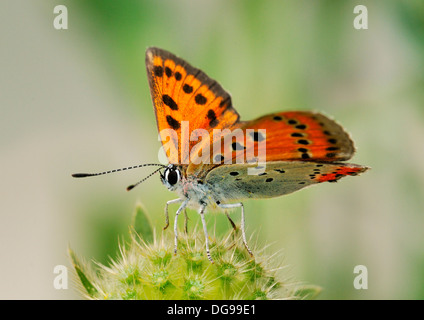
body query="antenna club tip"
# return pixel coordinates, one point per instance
(79, 175)
(129, 188)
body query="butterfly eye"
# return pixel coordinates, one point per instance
(172, 175)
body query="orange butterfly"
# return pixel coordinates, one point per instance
(216, 160)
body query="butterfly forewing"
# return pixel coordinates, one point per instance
(235, 182)
(183, 95)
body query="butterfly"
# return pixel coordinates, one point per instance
(216, 160)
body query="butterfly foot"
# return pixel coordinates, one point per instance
(175, 246)
(248, 250)
(209, 257)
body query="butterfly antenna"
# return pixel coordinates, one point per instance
(136, 184)
(83, 175)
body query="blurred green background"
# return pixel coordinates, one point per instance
(78, 100)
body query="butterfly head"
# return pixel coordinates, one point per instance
(171, 177)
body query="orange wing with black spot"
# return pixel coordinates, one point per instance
(185, 99)
(299, 135)
(296, 135)
(283, 136)
(290, 150)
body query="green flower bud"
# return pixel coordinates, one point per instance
(147, 269)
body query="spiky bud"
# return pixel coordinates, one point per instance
(147, 269)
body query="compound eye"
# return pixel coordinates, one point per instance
(172, 176)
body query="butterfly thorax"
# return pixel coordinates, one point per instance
(187, 187)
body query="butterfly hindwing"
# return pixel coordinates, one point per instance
(275, 178)
(293, 135)
(302, 135)
(184, 95)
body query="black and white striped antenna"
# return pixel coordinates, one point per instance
(84, 175)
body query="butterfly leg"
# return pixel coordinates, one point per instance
(185, 221)
(166, 211)
(181, 208)
(202, 215)
(243, 232)
(231, 221)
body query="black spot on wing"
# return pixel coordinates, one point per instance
(305, 154)
(297, 135)
(219, 158)
(187, 88)
(237, 146)
(303, 141)
(158, 71)
(257, 136)
(213, 121)
(200, 99)
(168, 72)
(167, 100)
(174, 124)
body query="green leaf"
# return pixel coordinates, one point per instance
(88, 286)
(141, 224)
(307, 292)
